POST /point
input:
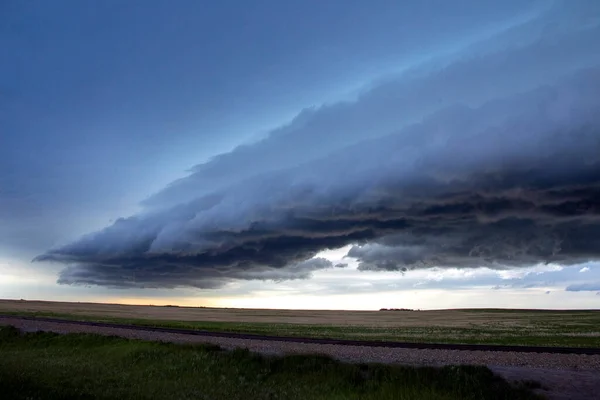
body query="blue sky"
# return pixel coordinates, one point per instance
(235, 153)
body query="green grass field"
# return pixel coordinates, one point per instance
(48, 366)
(507, 327)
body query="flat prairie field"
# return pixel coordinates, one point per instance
(577, 328)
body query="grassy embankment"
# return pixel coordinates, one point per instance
(48, 366)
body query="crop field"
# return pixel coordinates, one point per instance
(50, 366)
(472, 326)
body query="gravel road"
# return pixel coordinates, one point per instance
(565, 376)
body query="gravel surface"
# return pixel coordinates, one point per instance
(564, 376)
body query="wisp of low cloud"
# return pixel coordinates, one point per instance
(488, 157)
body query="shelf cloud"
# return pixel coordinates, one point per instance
(486, 158)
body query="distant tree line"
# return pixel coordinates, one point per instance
(398, 309)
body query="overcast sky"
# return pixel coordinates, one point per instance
(301, 154)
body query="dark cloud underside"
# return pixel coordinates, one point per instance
(466, 166)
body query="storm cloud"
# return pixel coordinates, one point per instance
(489, 157)
(584, 287)
(519, 58)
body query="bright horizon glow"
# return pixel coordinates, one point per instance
(412, 290)
(242, 304)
